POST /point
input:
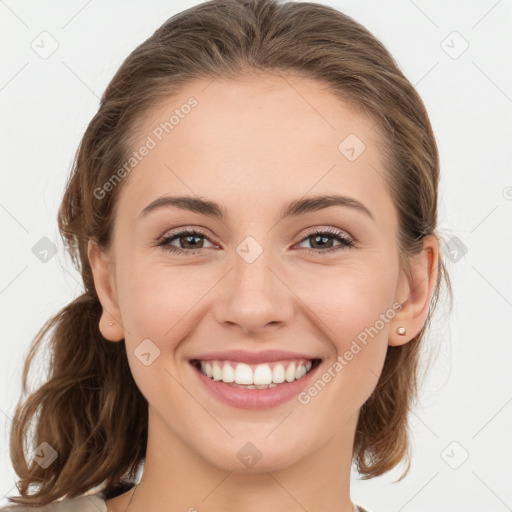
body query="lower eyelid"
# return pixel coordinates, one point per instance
(345, 242)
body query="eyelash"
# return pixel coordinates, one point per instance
(345, 242)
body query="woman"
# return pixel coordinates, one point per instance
(253, 210)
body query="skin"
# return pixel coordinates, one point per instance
(253, 144)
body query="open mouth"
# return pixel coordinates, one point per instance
(256, 376)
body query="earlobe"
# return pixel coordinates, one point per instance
(110, 324)
(418, 285)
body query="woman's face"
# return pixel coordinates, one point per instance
(264, 277)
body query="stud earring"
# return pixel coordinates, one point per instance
(111, 323)
(401, 331)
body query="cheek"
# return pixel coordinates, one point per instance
(354, 306)
(157, 303)
(347, 299)
(154, 298)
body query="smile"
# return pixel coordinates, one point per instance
(255, 376)
(243, 385)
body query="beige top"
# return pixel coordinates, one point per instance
(87, 503)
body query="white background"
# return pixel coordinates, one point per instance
(47, 103)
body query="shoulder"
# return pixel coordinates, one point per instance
(92, 503)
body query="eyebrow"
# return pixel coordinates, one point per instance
(294, 208)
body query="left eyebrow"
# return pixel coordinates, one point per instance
(190, 203)
(294, 208)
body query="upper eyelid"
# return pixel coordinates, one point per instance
(331, 231)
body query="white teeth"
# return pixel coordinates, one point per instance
(290, 373)
(243, 374)
(278, 374)
(228, 374)
(300, 371)
(263, 376)
(217, 372)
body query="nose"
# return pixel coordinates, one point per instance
(253, 297)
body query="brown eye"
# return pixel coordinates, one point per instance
(190, 241)
(321, 241)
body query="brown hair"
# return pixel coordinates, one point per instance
(89, 409)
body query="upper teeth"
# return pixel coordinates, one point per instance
(260, 374)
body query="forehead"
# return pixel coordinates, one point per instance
(255, 143)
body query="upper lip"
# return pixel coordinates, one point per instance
(243, 356)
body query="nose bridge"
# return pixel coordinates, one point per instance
(252, 295)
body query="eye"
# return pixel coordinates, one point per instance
(320, 238)
(190, 243)
(188, 239)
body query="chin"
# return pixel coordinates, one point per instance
(248, 454)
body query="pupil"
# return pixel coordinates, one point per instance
(187, 238)
(323, 239)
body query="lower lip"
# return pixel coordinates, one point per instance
(243, 398)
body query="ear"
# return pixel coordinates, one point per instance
(103, 275)
(414, 291)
